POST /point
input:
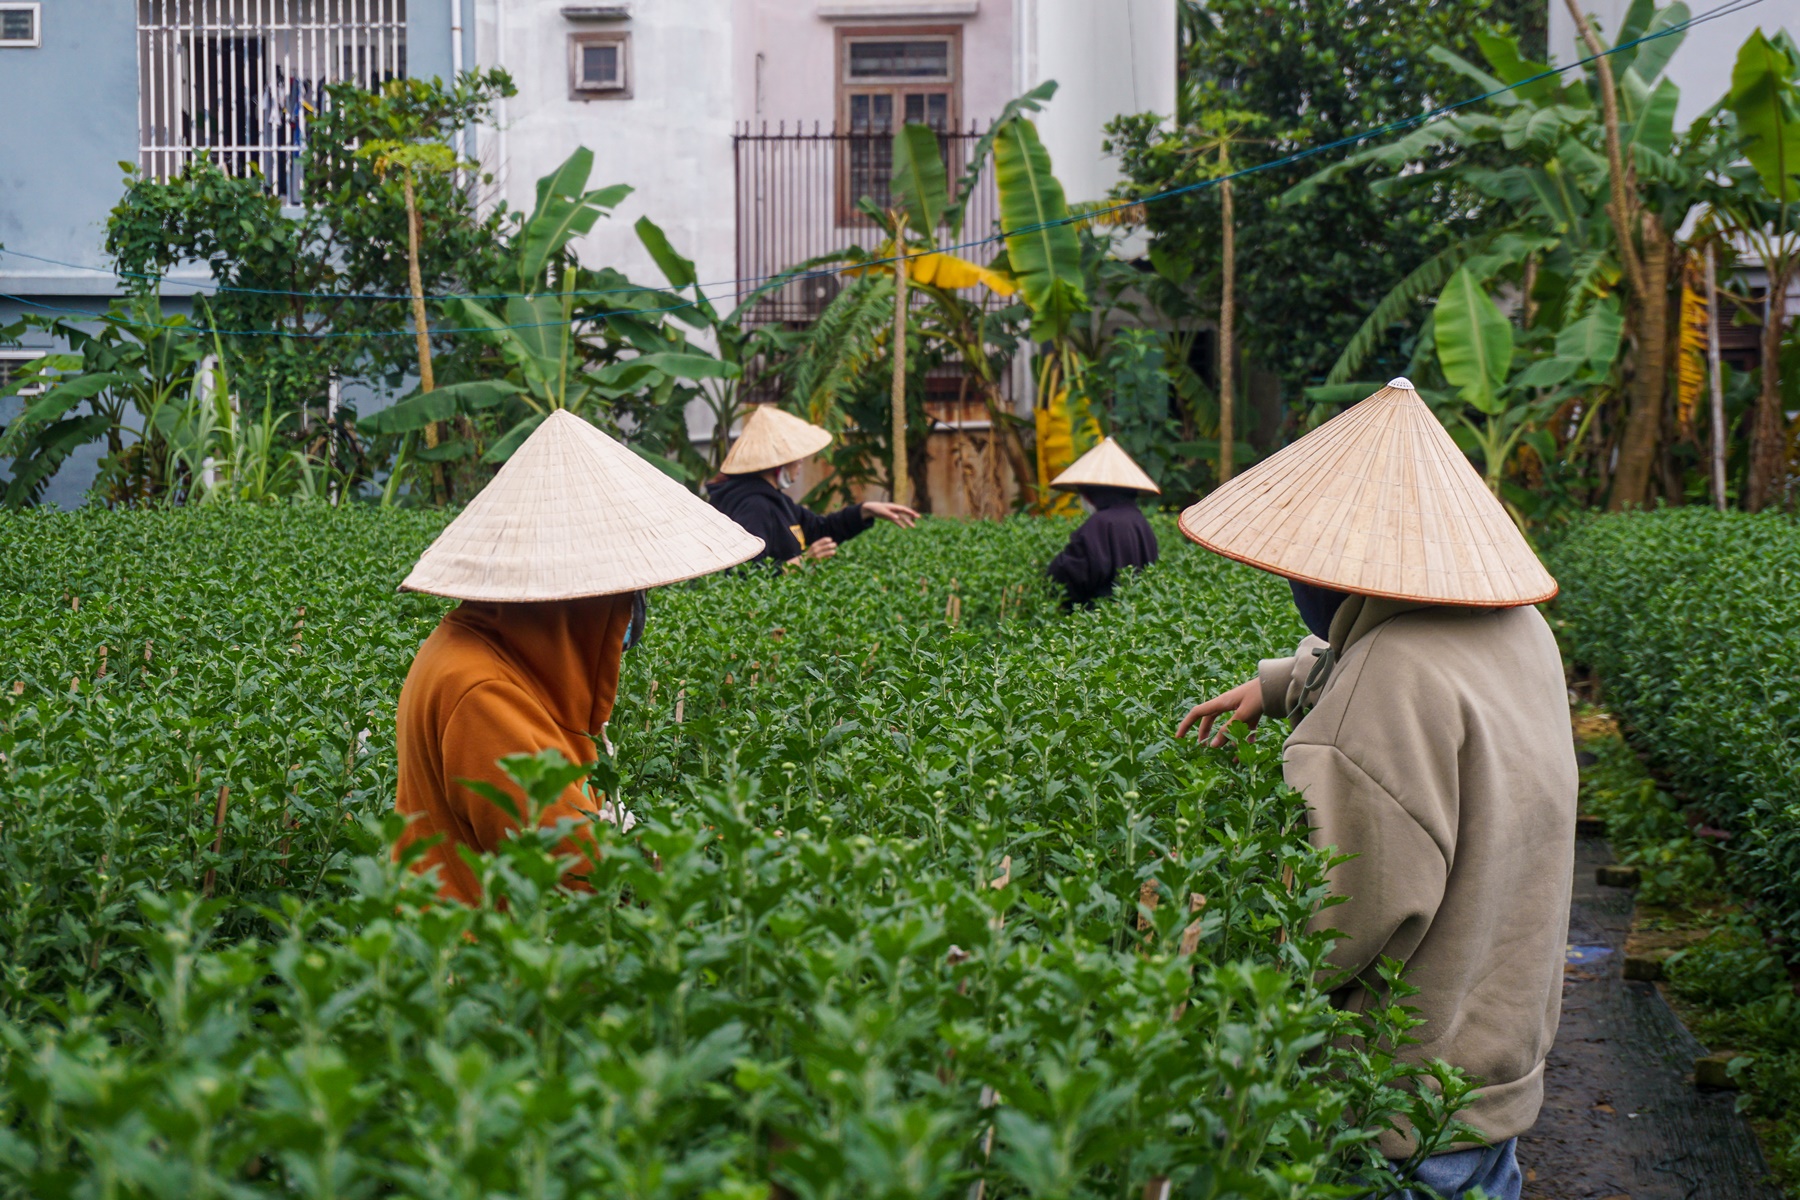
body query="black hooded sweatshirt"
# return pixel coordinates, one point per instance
(1116, 537)
(785, 528)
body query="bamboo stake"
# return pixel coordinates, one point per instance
(421, 336)
(1718, 385)
(218, 838)
(902, 483)
(1227, 318)
(101, 673)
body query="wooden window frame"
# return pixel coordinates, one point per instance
(847, 213)
(578, 42)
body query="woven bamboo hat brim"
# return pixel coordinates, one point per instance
(1106, 465)
(573, 513)
(1377, 501)
(772, 438)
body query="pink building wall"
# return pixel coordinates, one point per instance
(785, 54)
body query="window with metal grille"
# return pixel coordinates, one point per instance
(887, 78)
(599, 65)
(239, 80)
(19, 25)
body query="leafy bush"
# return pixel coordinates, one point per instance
(1688, 617)
(815, 981)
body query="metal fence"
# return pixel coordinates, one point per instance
(797, 194)
(241, 79)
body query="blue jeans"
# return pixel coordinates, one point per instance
(1495, 1170)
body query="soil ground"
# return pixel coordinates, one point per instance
(1622, 1119)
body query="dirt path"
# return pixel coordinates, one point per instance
(1621, 1118)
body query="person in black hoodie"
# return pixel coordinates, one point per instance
(750, 486)
(1116, 537)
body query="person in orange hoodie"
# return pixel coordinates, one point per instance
(551, 562)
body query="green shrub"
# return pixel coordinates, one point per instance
(814, 982)
(1690, 619)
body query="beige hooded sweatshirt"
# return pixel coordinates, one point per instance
(1437, 750)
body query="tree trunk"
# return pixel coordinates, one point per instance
(439, 492)
(1227, 326)
(1717, 384)
(1649, 375)
(1768, 437)
(902, 483)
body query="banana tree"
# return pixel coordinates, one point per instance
(1044, 255)
(110, 386)
(911, 256)
(544, 363)
(1562, 210)
(1505, 387)
(1758, 204)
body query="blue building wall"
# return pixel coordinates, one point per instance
(71, 108)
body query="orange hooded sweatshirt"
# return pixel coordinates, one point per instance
(494, 680)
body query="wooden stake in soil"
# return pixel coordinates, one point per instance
(101, 673)
(899, 474)
(206, 888)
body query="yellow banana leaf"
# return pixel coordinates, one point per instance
(1690, 356)
(949, 271)
(939, 269)
(1065, 430)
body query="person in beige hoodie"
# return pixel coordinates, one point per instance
(1431, 744)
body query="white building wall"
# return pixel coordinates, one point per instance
(671, 140)
(1701, 68)
(1108, 57)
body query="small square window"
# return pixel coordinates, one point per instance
(599, 66)
(19, 25)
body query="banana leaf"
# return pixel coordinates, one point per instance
(454, 399)
(1042, 247)
(919, 181)
(1474, 341)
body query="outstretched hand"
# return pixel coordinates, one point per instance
(1244, 702)
(899, 514)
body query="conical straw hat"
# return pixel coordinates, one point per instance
(573, 513)
(772, 438)
(1380, 502)
(1106, 465)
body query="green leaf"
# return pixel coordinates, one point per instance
(1503, 55)
(1763, 100)
(1032, 101)
(1654, 127)
(46, 452)
(689, 366)
(919, 181)
(677, 270)
(1593, 341)
(669, 467)
(1041, 245)
(1634, 26)
(453, 450)
(1653, 56)
(1481, 79)
(564, 212)
(513, 438)
(1474, 340)
(451, 400)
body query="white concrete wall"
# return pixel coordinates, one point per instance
(1702, 67)
(1108, 57)
(671, 140)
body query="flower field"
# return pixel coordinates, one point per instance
(936, 900)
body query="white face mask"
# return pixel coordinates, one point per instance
(784, 479)
(1087, 506)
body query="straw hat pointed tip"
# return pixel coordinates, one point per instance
(574, 513)
(1106, 465)
(773, 438)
